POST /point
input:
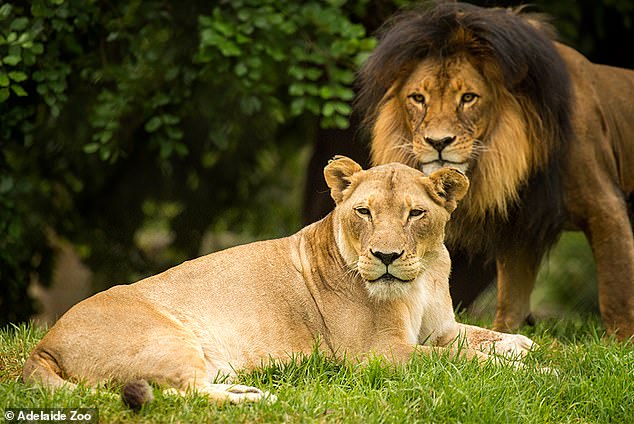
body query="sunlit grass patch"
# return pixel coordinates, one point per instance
(591, 382)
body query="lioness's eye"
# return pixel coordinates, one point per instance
(416, 212)
(418, 98)
(468, 97)
(363, 211)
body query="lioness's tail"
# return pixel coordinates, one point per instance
(136, 394)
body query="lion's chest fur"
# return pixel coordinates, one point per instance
(357, 323)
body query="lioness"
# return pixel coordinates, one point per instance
(371, 277)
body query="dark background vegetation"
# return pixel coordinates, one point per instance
(123, 118)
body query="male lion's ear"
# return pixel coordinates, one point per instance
(337, 174)
(448, 186)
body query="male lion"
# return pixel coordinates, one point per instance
(545, 136)
(371, 277)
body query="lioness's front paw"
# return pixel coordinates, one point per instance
(237, 393)
(512, 346)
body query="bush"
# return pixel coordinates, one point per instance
(110, 107)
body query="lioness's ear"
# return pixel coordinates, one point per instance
(337, 174)
(448, 186)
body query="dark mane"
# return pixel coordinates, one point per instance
(522, 50)
(516, 52)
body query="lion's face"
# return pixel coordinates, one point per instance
(391, 220)
(445, 113)
(447, 106)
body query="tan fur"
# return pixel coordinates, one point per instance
(240, 307)
(500, 148)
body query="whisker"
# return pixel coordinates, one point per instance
(479, 147)
(350, 271)
(404, 146)
(403, 151)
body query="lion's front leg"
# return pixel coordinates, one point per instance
(511, 346)
(516, 273)
(610, 234)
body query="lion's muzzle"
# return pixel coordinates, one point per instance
(387, 259)
(388, 267)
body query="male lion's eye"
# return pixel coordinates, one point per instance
(416, 212)
(468, 97)
(418, 98)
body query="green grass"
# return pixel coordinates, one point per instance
(594, 383)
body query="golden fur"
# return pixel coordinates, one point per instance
(371, 277)
(545, 136)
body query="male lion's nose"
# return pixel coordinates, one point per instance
(387, 258)
(440, 142)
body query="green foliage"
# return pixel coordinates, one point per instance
(35, 39)
(106, 106)
(33, 36)
(308, 49)
(16, 262)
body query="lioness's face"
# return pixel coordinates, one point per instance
(446, 105)
(392, 220)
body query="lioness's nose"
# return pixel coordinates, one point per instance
(387, 258)
(440, 143)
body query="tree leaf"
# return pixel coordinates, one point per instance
(19, 24)
(18, 90)
(4, 94)
(16, 76)
(91, 148)
(153, 124)
(12, 60)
